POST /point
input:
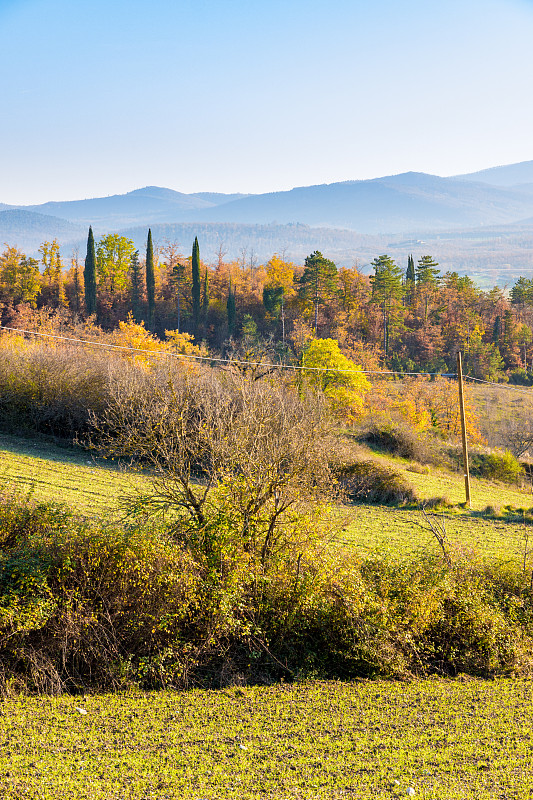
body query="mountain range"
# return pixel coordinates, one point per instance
(336, 216)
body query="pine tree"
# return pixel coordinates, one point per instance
(230, 307)
(387, 291)
(427, 280)
(89, 275)
(150, 279)
(196, 285)
(136, 286)
(318, 282)
(205, 298)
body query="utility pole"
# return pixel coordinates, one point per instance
(463, 429)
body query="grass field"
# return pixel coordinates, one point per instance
(94, 486)
(447, 740)
(64, 475)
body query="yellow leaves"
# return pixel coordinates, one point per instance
(134, 335)
(340, 379)
(183, 343)
(280, 273)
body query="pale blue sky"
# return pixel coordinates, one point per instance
(240, 95)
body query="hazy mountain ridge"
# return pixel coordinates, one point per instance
(466, 223)
(393, 204)
(27, 229)
(506, 175)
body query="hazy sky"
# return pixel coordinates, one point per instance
(105, 96)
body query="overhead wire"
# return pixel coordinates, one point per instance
(213, 359)
(239, 362)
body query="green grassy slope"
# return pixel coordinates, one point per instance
(95, 486)
(447, 740)
(63, 475)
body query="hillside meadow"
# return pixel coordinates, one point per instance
(168, 666)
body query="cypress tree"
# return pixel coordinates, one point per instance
(410, 280)
(230, 307)
(196, 285)
(89, 274)
(205, 297)
(150, 279)
(135, 274)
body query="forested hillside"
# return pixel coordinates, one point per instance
(407, 316)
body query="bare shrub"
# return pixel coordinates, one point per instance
(400, 438)
(50, 390)
(220, 441)
(371, 482)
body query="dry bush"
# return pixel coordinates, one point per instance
(371, 482)
(400, 438)
(214, 439)
(50, 390)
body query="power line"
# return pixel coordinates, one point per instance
(213, 359)
(265, 365)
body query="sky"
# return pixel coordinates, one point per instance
(107, 96)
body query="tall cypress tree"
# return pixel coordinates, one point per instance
(410, 281)
(230, 307)
(150, 279)
(205, 297)
(196, 285)
(89, 274)
(136, 288)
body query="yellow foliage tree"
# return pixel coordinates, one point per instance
(342, 382)
(134, 336)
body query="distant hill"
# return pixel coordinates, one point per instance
(27, 230)
(508, 175)
(411, 201)
(259, 242)
(141, 206)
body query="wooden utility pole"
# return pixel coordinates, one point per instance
(463, 429)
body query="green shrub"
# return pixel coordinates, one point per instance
(86, 606)
(498, 465)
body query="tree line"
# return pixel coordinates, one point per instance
(407, 318)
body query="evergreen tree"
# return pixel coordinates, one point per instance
(387, 291)
(427, 272)
(318, 282)
(497, 330)
(89, 275)
(230, 307)
(410, 280)
(427, 280)
(136, 286)
(196, 285)
(205, 297)
(150, 279)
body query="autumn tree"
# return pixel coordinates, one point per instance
(113, 264)
(54, 289)
(231, 309)
(342, 382)
(19, 277)
(278, 288)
